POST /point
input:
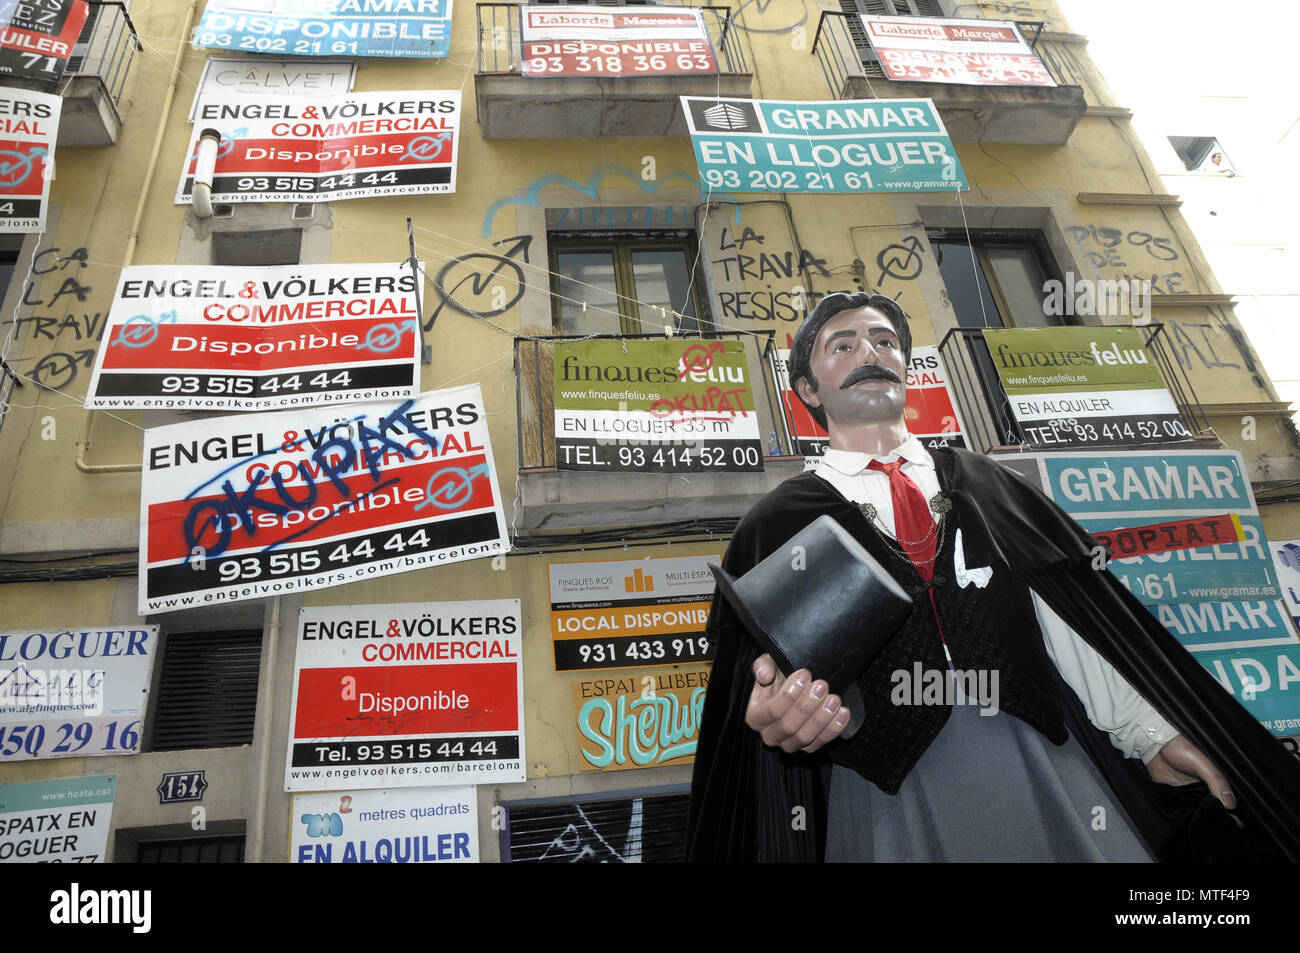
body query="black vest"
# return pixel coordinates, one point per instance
(993, 629)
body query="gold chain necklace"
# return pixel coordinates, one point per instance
(940, 506)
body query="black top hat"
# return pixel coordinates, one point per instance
(823, 603)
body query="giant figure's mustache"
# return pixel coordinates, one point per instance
(870, 372)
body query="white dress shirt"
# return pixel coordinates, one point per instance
(1112, 704)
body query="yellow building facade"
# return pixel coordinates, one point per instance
(579, 209)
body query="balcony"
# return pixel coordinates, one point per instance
(512, 105)
(991, 426)
(96, 73)
(554, 499)
(1028, 115)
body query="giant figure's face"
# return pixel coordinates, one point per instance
(859, 369)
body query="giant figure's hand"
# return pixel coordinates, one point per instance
(795, 713)
(1181, 762)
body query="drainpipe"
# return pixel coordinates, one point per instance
(266, 694)
(83, 448)
(205, 167)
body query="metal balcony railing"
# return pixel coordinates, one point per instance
(986, 411)
(837, 52)
(500, 27)
(106, 47)
(842, 49)
(1065, 67)
(535, 388)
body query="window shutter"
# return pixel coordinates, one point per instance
(207, 692)
(627, 830)
(922, 8)
(193, 850)
(871, 8)
(77, 61)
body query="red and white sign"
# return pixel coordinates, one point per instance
(36, 39)
(968, 52)
(407, 695)
(247, 506)
(29, 128)
(629, 41)
(235, 338)
(929, 413)
(304, 149)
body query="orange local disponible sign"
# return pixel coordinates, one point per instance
(633, 612)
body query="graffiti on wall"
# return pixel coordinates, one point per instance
(772, 274)
(50, 313)
(902, 261)
(1129, 255)
(482, 284)
(533, 192)
(788, 16)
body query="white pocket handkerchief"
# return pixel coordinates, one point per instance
(966, 576)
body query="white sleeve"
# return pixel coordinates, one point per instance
(1112, 704)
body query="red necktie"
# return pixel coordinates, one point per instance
(913, 524)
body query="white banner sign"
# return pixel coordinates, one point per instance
(407, 696)
(243, 507)
(969, 52)
(629, 41)
(29, 128)
(74, 693)
(408, 826)
(245, 338)
(326, 148)
(63, 821)
(273, 78)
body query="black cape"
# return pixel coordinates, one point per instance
(750, 802)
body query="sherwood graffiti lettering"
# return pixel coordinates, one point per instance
(645, 730)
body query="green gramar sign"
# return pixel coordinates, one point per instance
(1084, 387)
(667, 406)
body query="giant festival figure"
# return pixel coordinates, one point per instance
(1005, 587)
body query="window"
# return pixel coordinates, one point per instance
(881, 8)
(207, 690)
(633, 828)
(616, 282)
(1004, 288)
(993, 280)
(1202, 154)
(10, 246)
(192, 850)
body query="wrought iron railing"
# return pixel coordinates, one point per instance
(535, 389)
(500, 26)
(1066, 68)
(843, 51)
(986, 412)
(837, 52)
(106, 47)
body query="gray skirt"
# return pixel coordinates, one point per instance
(990, 788)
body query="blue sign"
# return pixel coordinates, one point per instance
(1262, 679)
(757, 145)
(182, 786)
(1221, 602)
(1229, 570)
(408, 28)
(1169, 484)
(1235, 622)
